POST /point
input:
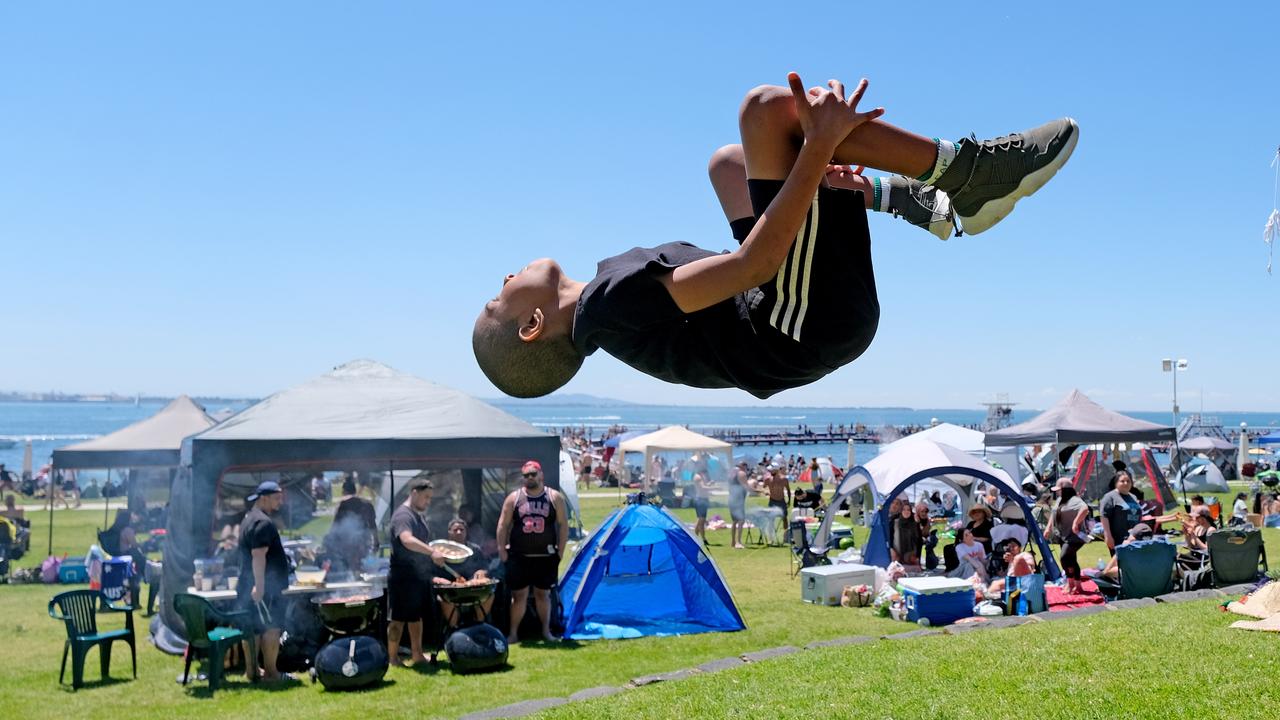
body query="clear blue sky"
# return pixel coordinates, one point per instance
(234, 197)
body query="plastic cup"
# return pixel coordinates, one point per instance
(206, 584)
(232, 582)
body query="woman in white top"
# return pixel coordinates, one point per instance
(972, 556)
(1240, 510)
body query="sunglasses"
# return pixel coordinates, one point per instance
(530, 474)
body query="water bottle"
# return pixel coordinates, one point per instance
(1102, 565)
(1023, 609)
(95, 574)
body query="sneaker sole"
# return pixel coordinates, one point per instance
(996, 210)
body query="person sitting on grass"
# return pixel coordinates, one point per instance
(1016, 563)
(971, 556)
(907, 540)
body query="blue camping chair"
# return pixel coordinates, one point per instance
(1146, 570)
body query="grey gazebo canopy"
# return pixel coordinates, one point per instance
(1077, 419)
(154, 442)
(360, 415)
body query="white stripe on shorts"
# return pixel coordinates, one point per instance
(792, 282)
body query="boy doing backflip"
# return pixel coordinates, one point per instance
(797, 298)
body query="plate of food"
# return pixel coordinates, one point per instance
(453, 552)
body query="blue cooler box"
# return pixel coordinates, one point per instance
(941, 600)
(73, 571)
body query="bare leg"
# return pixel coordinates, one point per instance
(269, 641)
(542, 601)
(519, 600)
(728, 173)
(415, 642)
(394, 630)
(771, 136)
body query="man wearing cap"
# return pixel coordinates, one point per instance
(264, 575)
(411, 598)
(532, 532)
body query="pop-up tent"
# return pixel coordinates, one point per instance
(1095, 475)
(910, 461)
(641, 573)
(363, 416)
(154, 443)
(674, 438)
(1201, 475)
(1077, 419)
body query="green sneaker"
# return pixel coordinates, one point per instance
(921, 205)
(987, 178)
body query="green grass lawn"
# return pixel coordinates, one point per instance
(934, 677)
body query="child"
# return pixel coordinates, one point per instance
(797, 299)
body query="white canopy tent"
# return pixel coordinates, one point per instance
(675, 438)
(911, 460)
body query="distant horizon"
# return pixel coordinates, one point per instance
(584, 400)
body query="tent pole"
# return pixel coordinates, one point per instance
(53, 476)
(391, 473)
(106, 500)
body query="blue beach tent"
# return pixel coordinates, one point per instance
(642, 573)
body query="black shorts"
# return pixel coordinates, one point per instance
(538, 571)
(409, 597)
(824, 295)
(262, 616)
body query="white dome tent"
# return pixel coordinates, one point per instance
(912, 460)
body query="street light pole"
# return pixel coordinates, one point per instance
(1173, 366)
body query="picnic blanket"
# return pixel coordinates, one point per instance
(1264, 604)
(1059, 600)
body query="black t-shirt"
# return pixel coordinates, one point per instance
(402, 558)
(1121, 513)
(257, 531)
(628, 313)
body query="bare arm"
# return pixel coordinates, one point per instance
(827, 119)
(259, 573)
(412, 543)
(1079, 521)
(562, 522)
(504, 525)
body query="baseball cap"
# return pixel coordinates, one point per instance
(1140, 531)
(531, 466)
(266, 487)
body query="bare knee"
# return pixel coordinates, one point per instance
(768, 105)
(728, 160)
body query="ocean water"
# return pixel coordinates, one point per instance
(53, 425)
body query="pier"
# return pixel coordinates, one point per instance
(864, 437)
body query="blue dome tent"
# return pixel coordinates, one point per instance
(641, 573)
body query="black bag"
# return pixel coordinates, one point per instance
(351, 662)
(476, 648)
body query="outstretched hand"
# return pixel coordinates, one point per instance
(825, 116)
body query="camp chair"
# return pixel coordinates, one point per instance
(1193, 570)
(79, 609)
(1236, 555)
(801, 555)
(1146, 570)
(207, 632)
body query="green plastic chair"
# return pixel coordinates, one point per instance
(1237, 556)
(208, 633)
(79, 610)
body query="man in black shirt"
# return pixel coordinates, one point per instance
(797, 299)
(533, 529)
(264, 575)
(411, 597)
